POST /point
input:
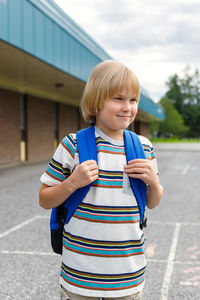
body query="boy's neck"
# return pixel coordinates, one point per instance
(116, 135)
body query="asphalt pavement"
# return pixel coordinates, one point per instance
(30, 270)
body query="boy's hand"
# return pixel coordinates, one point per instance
(84, 174)
(142, 169)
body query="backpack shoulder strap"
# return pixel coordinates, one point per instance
(86, 144)
(135, 150)
(133, 145)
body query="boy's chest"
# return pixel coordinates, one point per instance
(111, 170)
(111, 157)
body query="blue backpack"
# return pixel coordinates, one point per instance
(86, 143)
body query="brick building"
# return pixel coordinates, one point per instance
(45, 60)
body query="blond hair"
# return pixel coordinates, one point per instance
(106, 80)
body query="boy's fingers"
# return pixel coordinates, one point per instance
(136, 165)
(90, 165)
(89, 162)
(136, 171)
(137, 160)
(94, 172)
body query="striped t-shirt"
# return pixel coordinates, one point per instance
(103, 245)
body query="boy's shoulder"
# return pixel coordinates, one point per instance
(69, 143)
(70, 137)
(148, 147)
(145, 141)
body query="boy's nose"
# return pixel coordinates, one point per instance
(126, 106)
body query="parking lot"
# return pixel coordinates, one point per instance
(30, 270)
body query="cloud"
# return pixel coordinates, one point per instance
(155, 38)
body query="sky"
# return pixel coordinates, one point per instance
(155, 39)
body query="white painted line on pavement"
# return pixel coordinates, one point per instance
(179, 262)
(149, 260)
(28, 253)
(170, 264)
(18, 227)
(43, 217)
(23, 224)
(186, 169)
(174, 223)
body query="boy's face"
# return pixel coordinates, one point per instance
(118, 113)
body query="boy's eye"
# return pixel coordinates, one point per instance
(121, 99)
(117, 98)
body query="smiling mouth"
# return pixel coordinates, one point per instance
(123, 116)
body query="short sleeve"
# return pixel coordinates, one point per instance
(62, 163)
(149, 151)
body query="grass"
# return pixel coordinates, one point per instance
(174, 140)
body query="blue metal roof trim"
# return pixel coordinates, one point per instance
(42, 29)
(50, 8)
(147, 105)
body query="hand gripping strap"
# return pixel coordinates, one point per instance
(86, 143)
(87, 150)
(135, 150)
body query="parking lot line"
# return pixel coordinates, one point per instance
(18, 226)
(186, 169)
(170, 263)
(174, 223)
(180, 262)
(28, 253)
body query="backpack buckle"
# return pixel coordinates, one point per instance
(144, 222)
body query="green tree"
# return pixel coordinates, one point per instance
(173, 125)
(190, 86)
(192, 118)
(174, 92)
(184, 94)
